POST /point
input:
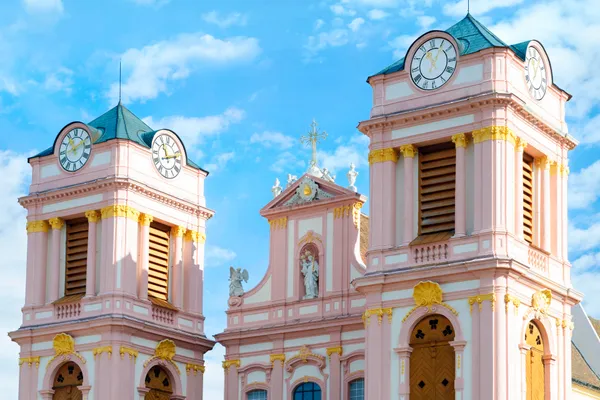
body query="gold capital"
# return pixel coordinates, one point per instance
(92, 216)
(382, 155)
(229, 363)
(30, 361)
(145, 219)
(126, 350)
(56, 223)
(334, 350)
(278, 223)
(408, 150)
(564, 169)
(543, 162)
(194, 368)
(494, 132)
(275, 357)
(37, 226)
(119, 210)
(480, 298)
(100, 350)
(521, 144)
(460, 140)
(178, 231)
(195, 236)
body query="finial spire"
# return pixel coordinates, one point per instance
(120, 81)
(468, 6)
(313, 137)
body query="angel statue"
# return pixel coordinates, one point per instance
(310, 270)
(236, 276)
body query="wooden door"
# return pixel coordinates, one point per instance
(67, 379)
(159, 384)
(534, 363)
(432, 360)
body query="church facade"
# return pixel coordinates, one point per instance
(457, 285)
(116, 228)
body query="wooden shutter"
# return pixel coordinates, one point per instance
(437, 183)
(158, 261)
(528, 197)
(76, 263)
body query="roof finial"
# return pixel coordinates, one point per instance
(312, 138)
(468, 6)
(120, 81)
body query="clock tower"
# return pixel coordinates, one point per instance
(115, 256)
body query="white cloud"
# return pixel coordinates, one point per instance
(373, 3)
(339, 9)
(219, 161)
(60, 80)
(14, 177)
(333, 38)
(584, 186)
(155, 3)
(151, 69)
(377, 14)
(8, 85)
(287, 162)
(356, 24)
(459, 9)
(47, 7)
(355, 151)
(225, 21)
(425, 21)
(400, 44)
(217, 256)
(319, 24)
(269, 139)
(585, 274)
(192, 130)
(586, 237)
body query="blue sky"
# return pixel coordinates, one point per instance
(240, 81)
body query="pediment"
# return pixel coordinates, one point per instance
(309, 190)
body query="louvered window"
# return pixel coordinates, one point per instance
(76, 261)
(528, 197)
(437, 182)
(158, 261)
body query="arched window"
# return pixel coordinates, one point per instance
(159, 383)
(432, 359)
(257, 395)
(534, 362)
(65, 384)
(357, 389)
(307, 391)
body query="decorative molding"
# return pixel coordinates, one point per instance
(408, 151)
(460, 140)
(342, 211)
(229, 363)
(480, 298)
(543, 162)
(178, 231)
(30, 361)
(275, 357)
(332, 350)
(115, 184)
(540, 301)
(494, 132)
(380, 312)
(310, 237)
(194, 368)
(37, 226)
(521, 144)
(278, 223)
(304, 355)
(99, 350)
(93, 216)
(427, 294)
(508, 298)
(564, 169)
(356, 213)
(195, 236)
(383, 155)
(64, 346)
(165, 350)
(126, 350)
(56, 223)
(145, 219)
(120, 210)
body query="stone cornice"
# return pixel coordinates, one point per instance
(114, 183)
(402, 118)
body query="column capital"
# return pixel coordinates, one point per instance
(383, 155)
(277, 357)
(145, 219)
(178, 231)
(93, 216)
(334, 350)
(56, 223)
(37, 226)
(543, 162)
(408, 150)
(229, 363)
(460, 140)
(194, 236)
(521, 144)
(120, 210)
(494, 132)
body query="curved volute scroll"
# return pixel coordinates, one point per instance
(305, 356)
(64, 346)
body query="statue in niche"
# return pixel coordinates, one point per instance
(236, 276)
(310, 270)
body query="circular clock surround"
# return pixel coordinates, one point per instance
(75, 149)
(433, 63)
(166, 155)
(536, 72)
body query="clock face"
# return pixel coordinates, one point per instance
(433, 64)
(75, 149)
(166, 156)
(535, 73)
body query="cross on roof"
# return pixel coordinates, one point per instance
(313, 137)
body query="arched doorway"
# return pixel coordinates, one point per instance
(65, 383)
(432, 359)
(534, 363)
(159, 383)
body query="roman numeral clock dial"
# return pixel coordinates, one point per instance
(535, 73)
(166, 156)
(433, 63)
(75, 149)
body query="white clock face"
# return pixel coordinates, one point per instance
(166, 156)
(75, 149)
(535, 73)
(433, 64)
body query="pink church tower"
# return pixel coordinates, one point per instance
(116, 230)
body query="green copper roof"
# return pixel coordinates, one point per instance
(120, 123)
(472, 37)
